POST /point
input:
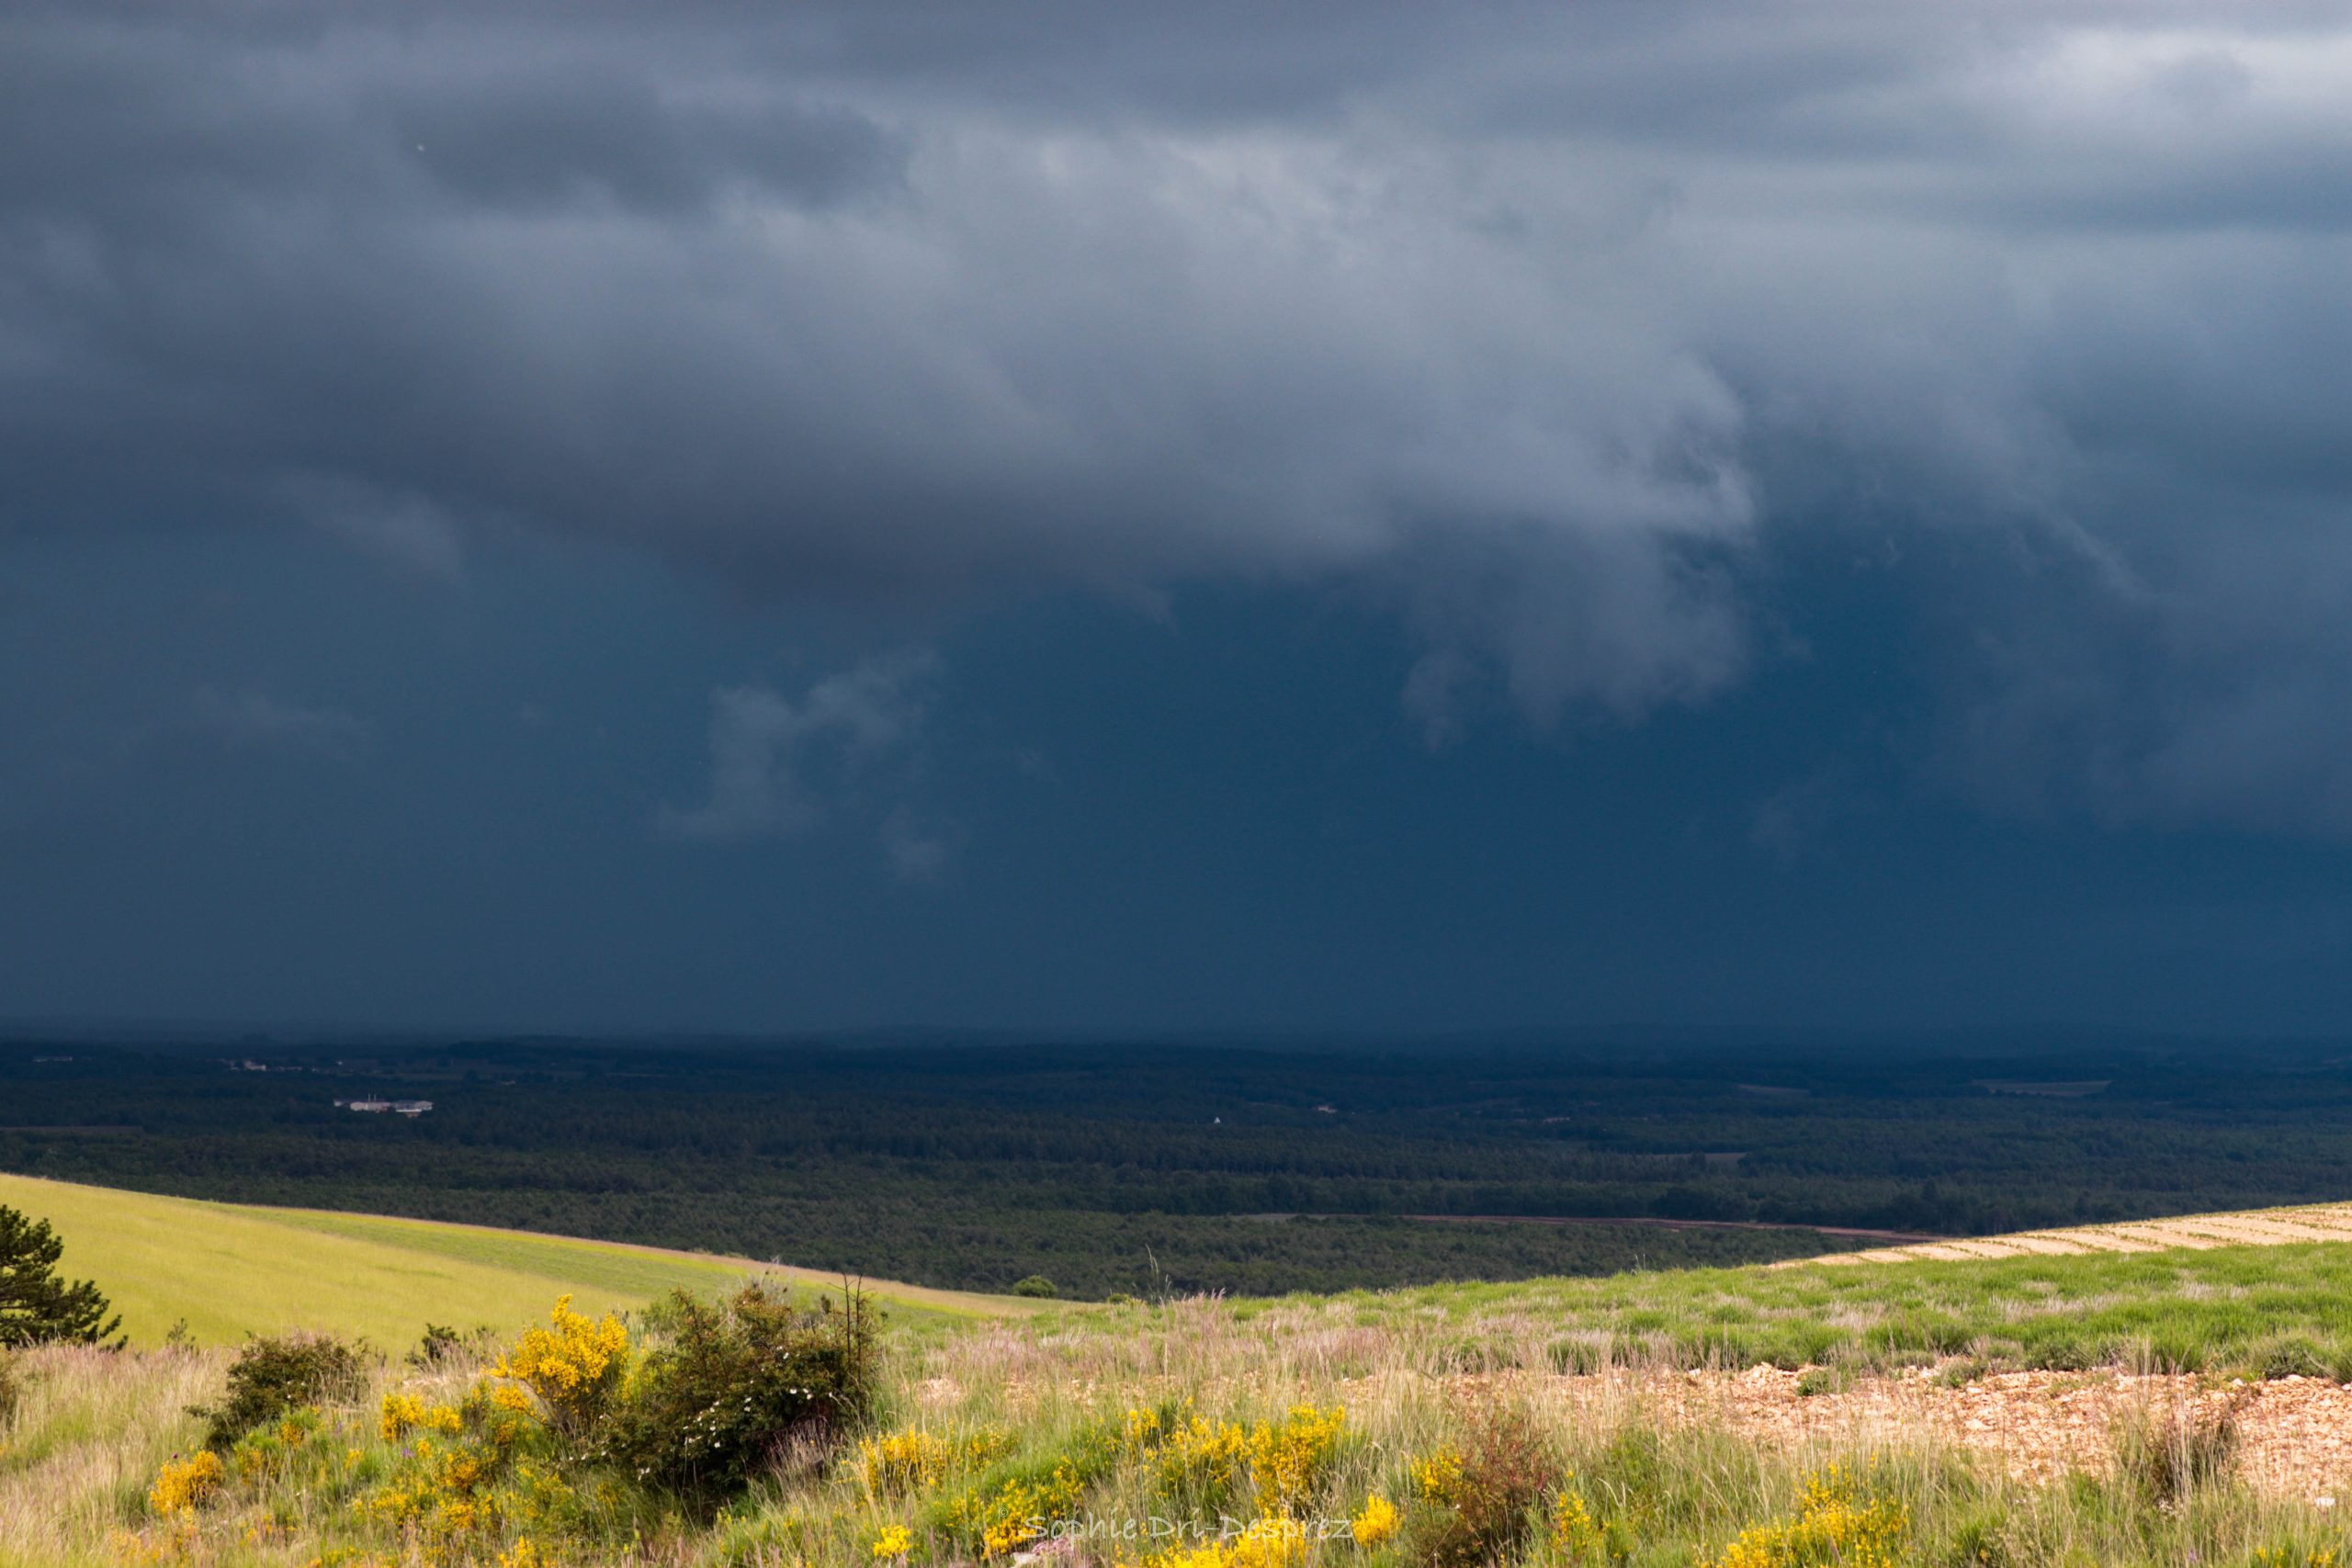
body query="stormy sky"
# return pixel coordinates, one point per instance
(1146, 518)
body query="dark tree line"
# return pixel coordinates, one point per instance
(1124, 1168)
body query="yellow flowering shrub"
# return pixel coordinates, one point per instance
(182, 1486)
(349, 1556)
(400, 1412)
(1141, 1431)
(1203, 1458)
(164, 1548)
(914, 1460)
(894, 1542)
(573, 1366)
(1021, 1511)
(1577, 1533)
(1288, 1458)
(1438, 1476)
(904, 1461)
(451, 1489)
(1374, 1523)
(1838, 1523)
(1186, 1455)
(443, 1489)
(404, 1413)
(1267, 1543)
(1285, 1459)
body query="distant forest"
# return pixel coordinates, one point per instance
(1145, 1169)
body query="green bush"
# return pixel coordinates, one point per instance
(271, 1377)
(1034, 1285)
(442, 1345)
(729, 1388)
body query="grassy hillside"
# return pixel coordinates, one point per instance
(2265, 1311)
(1545, 1424)
(229, 1269)
(1338, 1432)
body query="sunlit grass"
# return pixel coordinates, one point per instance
(2269, 1309)
(230, 1269)
(1301, 1412)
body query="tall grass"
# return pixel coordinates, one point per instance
(90, 1429)
(2258, 1311)
(1587, 1467)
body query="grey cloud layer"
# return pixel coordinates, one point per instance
(255, 718)
(1545, 323)
(778, 765)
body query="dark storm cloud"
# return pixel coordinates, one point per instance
(1545, 325)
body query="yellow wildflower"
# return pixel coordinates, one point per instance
(916, 1459)
(1269, 1543)
(1140, 1429)
(1574, 1529)
(1375, 1523)
(571, 1366)
(1837, 1522)
(1439, 1477)
(184, 1485)
(1288, 1460)
(402, 1412)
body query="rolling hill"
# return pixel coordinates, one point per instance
(228, 1269)
(2041, 1401)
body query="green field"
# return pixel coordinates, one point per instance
(229, 1269)
(2263, 1310)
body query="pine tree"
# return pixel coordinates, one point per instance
(37, 1306)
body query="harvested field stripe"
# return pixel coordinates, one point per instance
(2254, 1228)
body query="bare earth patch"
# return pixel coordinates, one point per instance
(2295, 1434)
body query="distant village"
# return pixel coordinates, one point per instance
(367, 1107)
